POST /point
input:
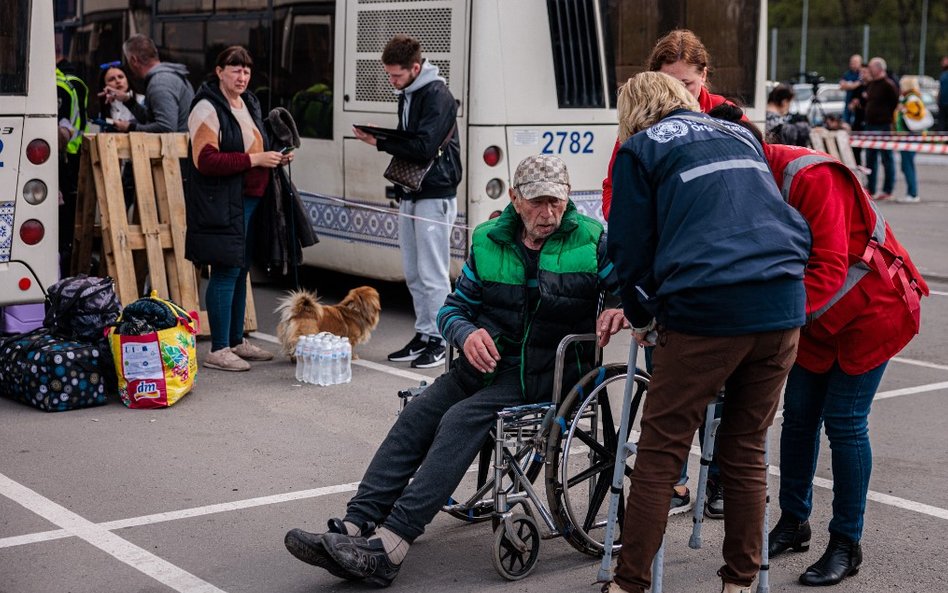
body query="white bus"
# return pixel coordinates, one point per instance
(530, 76)
(29, 256)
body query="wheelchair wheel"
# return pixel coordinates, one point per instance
(479, 506)
(581, 456)
(516, 549)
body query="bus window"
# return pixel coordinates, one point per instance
(14, 41)
(308, 60)
(633, 27)
(575, 46)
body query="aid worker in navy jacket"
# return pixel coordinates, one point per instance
(710, 256)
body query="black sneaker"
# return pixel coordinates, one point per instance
(411, 351)
(432, 356)
(308, 547)
(363, 558)
(714, 505)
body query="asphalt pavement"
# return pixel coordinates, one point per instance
(197, 498)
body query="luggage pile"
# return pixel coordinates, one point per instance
(65, 365)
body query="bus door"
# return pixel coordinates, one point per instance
(368, 220)
(29, 257)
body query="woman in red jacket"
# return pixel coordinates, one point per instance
(681, 55)
(844, 348)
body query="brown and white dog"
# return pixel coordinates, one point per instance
(301, 314)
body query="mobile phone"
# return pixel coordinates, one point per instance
(287, 149)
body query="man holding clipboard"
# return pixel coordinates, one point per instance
(427, 114)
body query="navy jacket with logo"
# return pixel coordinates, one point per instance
(700, 236)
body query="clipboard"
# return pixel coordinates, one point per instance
(385, 132)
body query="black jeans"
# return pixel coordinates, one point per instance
(435, 439)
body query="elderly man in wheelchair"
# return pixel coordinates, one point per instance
(534, 275)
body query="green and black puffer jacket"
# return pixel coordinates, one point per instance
(493, 293)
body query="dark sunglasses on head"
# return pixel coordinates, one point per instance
(107, 65)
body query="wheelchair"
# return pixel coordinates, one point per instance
(572, 441)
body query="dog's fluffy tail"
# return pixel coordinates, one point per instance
(298, 303)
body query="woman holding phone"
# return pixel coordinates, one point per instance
(231, 169)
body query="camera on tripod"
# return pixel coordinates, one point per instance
(814, 79)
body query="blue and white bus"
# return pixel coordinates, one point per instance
(29, 257)
(531, 76)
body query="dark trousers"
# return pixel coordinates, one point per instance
(689, 371)
(840, 403)
(435, 440)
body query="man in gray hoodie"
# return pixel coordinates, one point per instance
(168, 93)
(427, 112)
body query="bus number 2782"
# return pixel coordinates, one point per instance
(571, 142)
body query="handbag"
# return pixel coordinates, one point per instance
(409, 174)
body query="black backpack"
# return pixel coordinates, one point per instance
(81, 307)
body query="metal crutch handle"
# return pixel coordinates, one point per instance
(618, 472)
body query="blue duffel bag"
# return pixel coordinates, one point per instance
(55, 374)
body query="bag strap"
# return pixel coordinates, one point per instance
(447, 139)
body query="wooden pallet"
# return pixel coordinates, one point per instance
(148, 249)
(836, 144)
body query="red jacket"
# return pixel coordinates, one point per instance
(706, 101)
(873, 321)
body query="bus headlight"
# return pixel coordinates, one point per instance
(34, 192)
(32, 231)
(495, 188)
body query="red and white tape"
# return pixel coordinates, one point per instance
(899, 136)
(888, 143)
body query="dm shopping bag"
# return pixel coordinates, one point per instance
(153, 345)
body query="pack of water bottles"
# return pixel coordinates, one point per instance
(323, 359)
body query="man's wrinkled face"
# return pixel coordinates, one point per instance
(400, 77)
(541, 216)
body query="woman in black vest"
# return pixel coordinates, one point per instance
(230, 173)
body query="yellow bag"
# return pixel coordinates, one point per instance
(155, 368)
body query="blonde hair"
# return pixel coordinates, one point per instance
(909, 84)
(648, 97)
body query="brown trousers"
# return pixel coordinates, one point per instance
(687, 375)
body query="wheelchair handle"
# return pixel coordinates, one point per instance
(561, 360)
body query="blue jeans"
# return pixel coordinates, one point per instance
(842, 403)
(226, 294)
(888, 163)
(907, 159)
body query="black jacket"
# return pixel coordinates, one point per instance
(215, 204)
(432, 114)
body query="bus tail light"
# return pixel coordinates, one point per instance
(32, 231)
(38, 151)
(492, 155)
(495, 187)
(25, 283)
(34, 192)
(494, 215)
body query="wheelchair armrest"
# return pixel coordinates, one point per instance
(561, 356)
(406, 395)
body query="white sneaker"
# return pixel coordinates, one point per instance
(908, 200)
(248, 351)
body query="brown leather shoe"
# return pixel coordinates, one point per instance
(248, 351)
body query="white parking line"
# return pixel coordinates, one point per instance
(138, 558)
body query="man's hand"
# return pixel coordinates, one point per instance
(367, 138)
(121, 125)
(609, 323)
(480, 351)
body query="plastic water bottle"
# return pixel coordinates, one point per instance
(307, 373)
(336, 374)
(346, 361)
(325, 363)
(314, 360)
(298, 353)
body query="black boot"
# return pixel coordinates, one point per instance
(788, 534)
(842, 558)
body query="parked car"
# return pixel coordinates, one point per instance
(832, 100)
